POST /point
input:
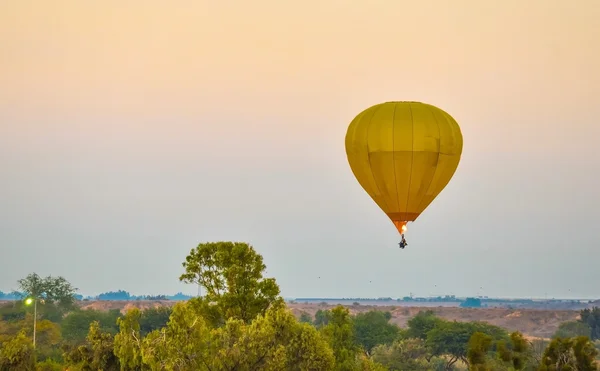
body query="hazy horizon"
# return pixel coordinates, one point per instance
(129, 134)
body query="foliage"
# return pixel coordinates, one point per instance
(232, 275)
(373, 328)
(451, 338)
(115, 295)
(17, 353)
(95, 354)
(273, 341)
(322, 318)
(128, 342)
(569, 354)
(243, 324)
(339, 332)
(306, 318)
(477, 349)
(421, 324)
(591, 317)
(51, 289)
(154, 319)
(76, 324)
(572, 329)
(405, 354)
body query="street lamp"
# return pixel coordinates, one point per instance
(33, 300)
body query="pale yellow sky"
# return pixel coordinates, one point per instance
(268, 84)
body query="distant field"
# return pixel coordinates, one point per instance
(540, 323)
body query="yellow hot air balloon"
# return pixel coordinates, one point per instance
(403, 154)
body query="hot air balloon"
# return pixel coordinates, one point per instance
(403, 154)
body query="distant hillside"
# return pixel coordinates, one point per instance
(532, 322)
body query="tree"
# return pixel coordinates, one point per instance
(75, 325)
(451, 338)
(477, 349)
(52, 289)
(421, 324)
(96, 354)
(153, 319)
(273, 341)
(306, 318)
(232, 276)
(569, 354)
(373, 328)
(322, 318)
(518, 355)
(115, 295)
(585, 354)
(591, 317)
(572, 329)
(340, 334)
(128, 342)
(17, 354)
(405, 355)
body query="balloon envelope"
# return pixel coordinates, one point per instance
(403, 154)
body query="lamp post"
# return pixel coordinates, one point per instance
(28, 301)
(33, 300)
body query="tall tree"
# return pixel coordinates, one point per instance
(478, 347)
(96, 354)
(373, 328)
(571, 329)
(128, 342)
(569, 354)
(591, 317)
(421, 324)
(340, 334)
(232, 276)
(451, 338)
(53, 290)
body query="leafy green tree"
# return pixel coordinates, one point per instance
(48, 335)
(421, 324)
(478, 347)
(403, 355)
(128, 342)
(96, 354)
(373, 328)
(153, 319)
(115, 295)
(572, 329)
(585, 354)
(53, 290)
(558, 356)
(273, 341)
(517, 354)
(17, 353)
(49, 365)
(451, 339)
(322, 318)
(306, 318)
(232, 276)
(591, 317)
(369, 364)
(569, 354)
(340, 334)
(76, 324)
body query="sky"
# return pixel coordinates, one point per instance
(131, 131)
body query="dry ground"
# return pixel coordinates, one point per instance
(531, 322)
